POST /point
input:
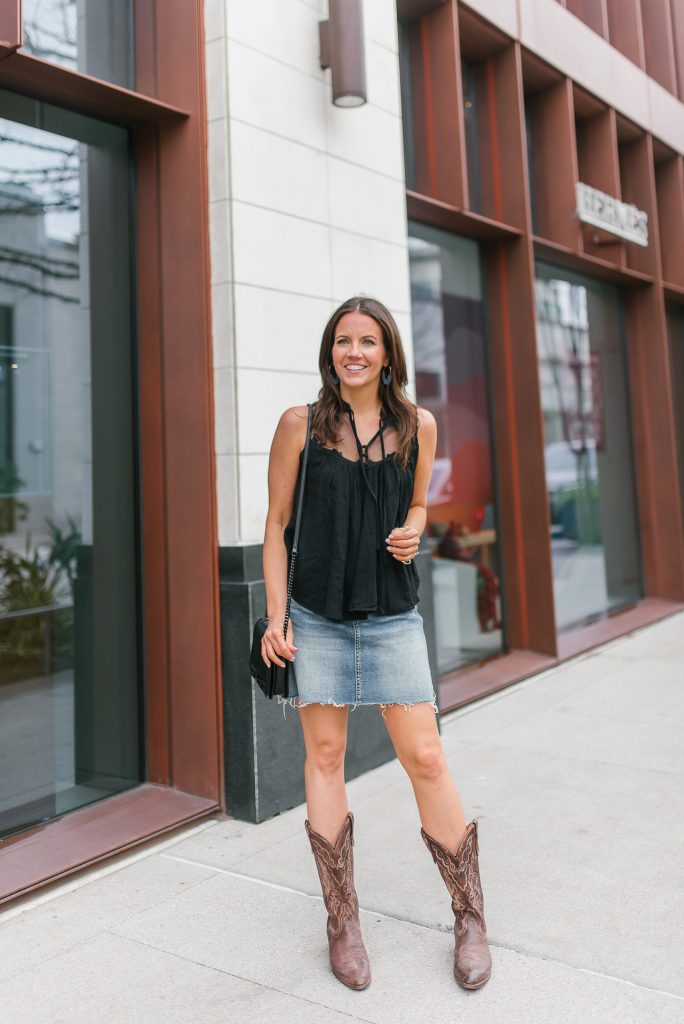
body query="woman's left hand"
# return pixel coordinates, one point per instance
(403, 543)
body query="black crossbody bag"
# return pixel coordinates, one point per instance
(274, 680)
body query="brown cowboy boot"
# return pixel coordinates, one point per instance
(348, 957)
(461, 874)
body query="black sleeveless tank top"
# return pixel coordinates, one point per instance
(354, 495)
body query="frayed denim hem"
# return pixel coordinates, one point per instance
(295, 702)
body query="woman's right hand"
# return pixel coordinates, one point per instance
(273, 642)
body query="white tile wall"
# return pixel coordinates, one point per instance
(253, 471)
(227, 497)
(280, 174)
(380, 22)
(382, 78)
(306, 208)
(271, 392)
(285, 31)
(367, 136)
(271, 94)
(277, 329)
(280, 251)
(365, 266)
(222, 324)
(224, 409)
(380, 207)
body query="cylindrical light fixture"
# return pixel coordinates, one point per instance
(342, 50)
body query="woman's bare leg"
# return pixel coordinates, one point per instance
(325, 737)
(418, 746)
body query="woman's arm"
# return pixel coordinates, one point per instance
(283, 466)
(403, 544)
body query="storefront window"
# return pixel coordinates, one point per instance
(588, 451)
(70, 720)
(451, 381)
(93, 36)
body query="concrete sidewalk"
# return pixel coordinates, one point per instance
(577, 780)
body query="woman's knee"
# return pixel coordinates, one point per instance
(425, 761)
(326, 756)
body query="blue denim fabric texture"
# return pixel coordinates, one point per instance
(379, 660)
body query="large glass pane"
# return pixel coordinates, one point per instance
(70, 723)
(451, 381)
(93, 36)
(588, 453)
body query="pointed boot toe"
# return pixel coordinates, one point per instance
(335, 864)
(461, 874)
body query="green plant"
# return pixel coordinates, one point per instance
(12, 510)
(30, 643)
(63, 551)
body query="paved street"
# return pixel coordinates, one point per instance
(577, 780)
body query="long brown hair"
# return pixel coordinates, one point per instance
(328, 409)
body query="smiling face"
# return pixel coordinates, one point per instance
(358, 352)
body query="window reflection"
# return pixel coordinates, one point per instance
(93, 36)
(588, 459)
(69, 686)
(451, 381)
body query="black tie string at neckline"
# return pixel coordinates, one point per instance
(363, 459)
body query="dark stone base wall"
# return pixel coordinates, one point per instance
(264, 747)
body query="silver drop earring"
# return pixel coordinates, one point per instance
(386, 375)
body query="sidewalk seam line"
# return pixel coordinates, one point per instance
(238, 977)
(427, 927)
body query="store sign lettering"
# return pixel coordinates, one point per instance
(622, 219)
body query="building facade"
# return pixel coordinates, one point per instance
(184, 207)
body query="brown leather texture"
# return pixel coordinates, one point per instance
(335, 864)
(461, 874)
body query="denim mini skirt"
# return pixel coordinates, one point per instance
(381, 660)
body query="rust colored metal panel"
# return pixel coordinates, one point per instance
(409, 9)
(644, 613)
(669, 176)
(598, 165)
(38, 78)
(438, 106)
(84, 837)
(656, 16)
(554, 158)
(655, 448)
(678, 43)
(470, 684)
(519, 447)
(183, 490)
(452, 218)
(10, 26)
(637, 184)
(592, 12)
(584, 263)
(625, 30)
(498, 673)
(502, 139)
(152, 425)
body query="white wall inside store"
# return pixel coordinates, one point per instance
(307, 207)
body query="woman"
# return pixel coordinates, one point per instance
(359, 634)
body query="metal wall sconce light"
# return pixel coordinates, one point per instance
(342, 50)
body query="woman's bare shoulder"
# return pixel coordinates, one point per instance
(426, 419)
(291, 429)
